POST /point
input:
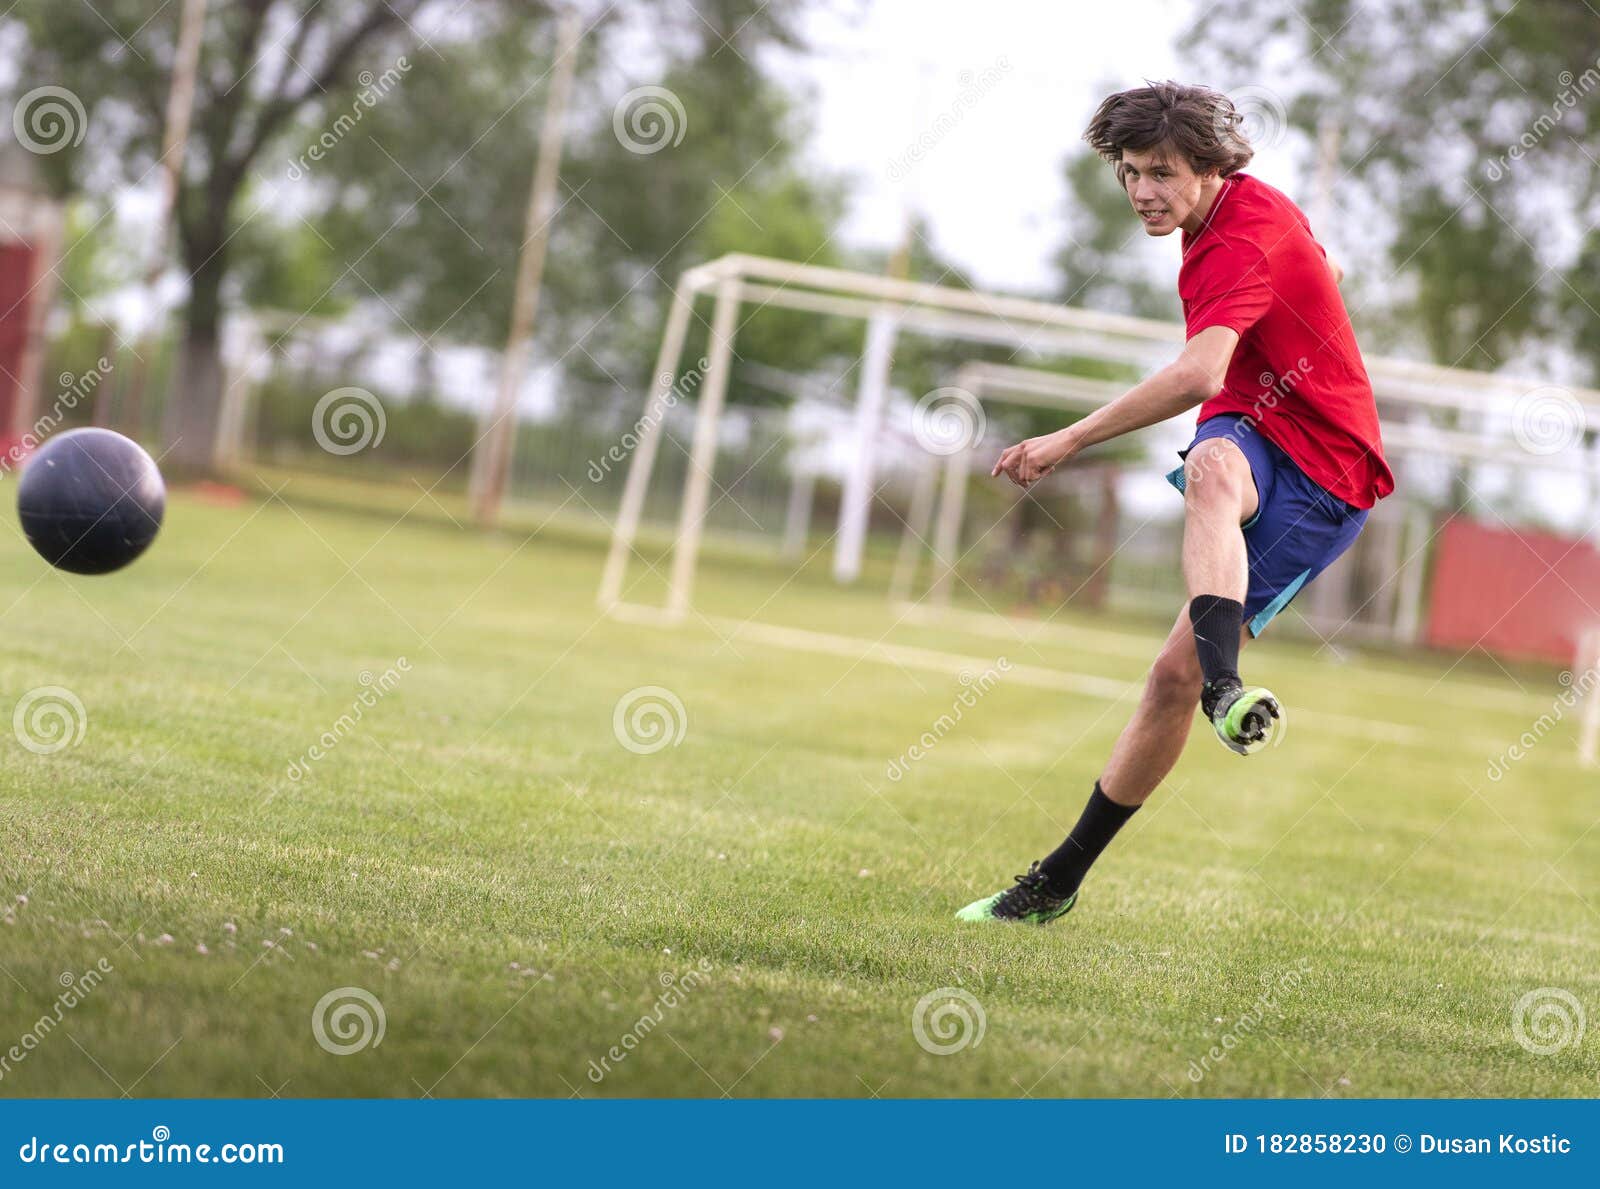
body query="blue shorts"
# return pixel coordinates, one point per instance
(1298, 529)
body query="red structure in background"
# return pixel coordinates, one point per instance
(1518, 593)
(16, 282)
(31, 226)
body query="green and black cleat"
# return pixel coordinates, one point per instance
(1028, 901)
(1247, 719)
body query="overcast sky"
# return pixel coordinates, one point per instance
(992, 187)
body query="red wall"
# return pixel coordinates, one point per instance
(16, 271)
(1516, 592)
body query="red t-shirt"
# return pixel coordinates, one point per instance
(1297, 372)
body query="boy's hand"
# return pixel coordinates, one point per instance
(1028, 462)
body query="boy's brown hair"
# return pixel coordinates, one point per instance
(1199, 124)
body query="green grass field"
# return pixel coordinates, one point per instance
(1341, 916)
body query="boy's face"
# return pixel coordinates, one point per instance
(1166, 193)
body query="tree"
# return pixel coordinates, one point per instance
(1468, 133)
(264, 64)
(702, 156)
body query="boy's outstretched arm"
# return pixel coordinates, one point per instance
(1195, 376)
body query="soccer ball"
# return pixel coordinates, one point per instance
(90, 501)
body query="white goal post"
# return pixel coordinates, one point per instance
(893, 306)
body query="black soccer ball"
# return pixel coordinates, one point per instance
(90, 501)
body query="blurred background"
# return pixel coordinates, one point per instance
(433, 243)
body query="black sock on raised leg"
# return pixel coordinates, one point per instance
(1065, 867)
(1217, 624)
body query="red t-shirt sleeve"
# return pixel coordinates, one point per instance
(1231, 286)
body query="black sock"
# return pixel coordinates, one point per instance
(1066, 866)
(1217, 622)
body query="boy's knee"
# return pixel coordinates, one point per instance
(1215, 469)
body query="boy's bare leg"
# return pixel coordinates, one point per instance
(1219, 496)
(1151, 743)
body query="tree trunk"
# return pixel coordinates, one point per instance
(190, 424)
(191, 421)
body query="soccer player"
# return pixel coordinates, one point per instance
(1285, 464)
